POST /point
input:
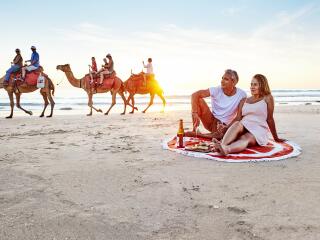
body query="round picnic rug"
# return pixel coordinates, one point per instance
(273, 151)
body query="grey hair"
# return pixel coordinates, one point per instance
(233, 73)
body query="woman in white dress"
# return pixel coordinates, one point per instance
(253, 121)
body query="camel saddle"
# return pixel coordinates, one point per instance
(141, 80)
(108, 81)
(30, 78)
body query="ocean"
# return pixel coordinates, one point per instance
(76, 102)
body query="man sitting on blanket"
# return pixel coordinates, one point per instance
(225, 101)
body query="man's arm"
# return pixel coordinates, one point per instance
(144, 65)
(195, 99)
(35, 59)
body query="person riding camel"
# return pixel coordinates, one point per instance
(103, 66)
(149, 74)
(34, 62)
(108, 68)
(15, 66)
(93, 68)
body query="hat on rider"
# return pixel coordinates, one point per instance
(108, 55)
(17, 50)
(33, 47)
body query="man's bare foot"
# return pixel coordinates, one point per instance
(222, 149)
(215, 144)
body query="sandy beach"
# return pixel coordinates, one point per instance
(107, 177)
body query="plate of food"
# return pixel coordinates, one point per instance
(204, 147)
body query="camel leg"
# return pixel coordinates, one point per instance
(96, 109)
(131, 96)
(114, 94)
(150, 103)
(163, 101)
(124, 101)
(11, 104)
(128, 101)
(46, 94)
(132, 100)
(52, 103)
(19, 105)
(45, 99)
(90, 104)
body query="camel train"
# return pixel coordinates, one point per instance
(136, 84)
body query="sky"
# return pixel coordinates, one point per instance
(191, 42)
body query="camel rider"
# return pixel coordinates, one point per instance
(15, 66)
(34, 62)
(149, 74)
(108, 68)
(93, 68)
(103, 66)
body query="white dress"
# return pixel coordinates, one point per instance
(255, 120)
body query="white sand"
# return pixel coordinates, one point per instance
(107, 177)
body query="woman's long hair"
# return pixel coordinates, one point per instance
(263, 83)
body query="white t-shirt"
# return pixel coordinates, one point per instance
(223, 107)
(149, 68)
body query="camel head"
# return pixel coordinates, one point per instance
(64, 68)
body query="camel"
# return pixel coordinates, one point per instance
(47, 92)
(116, 87)
(135, 85)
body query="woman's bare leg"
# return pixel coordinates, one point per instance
(241, 144)
(232, 133)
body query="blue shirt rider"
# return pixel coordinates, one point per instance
(34, 62)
